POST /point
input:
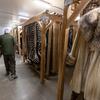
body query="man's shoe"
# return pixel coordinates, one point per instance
(12, 77)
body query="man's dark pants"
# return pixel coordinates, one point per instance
(10, 64)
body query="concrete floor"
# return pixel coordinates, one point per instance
(28, 87)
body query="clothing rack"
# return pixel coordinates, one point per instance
(93, 4)
(16, 32)
(54, 21)
(64, 41)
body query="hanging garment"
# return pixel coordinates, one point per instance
(86, 76)
(25, 42)
(34, 42)
(30, 42)
(55, 47)
(70, 39)
(38, 42)
(77, 82)
(92, 85)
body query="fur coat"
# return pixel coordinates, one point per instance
(86, 75)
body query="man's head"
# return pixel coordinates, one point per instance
(6, 31)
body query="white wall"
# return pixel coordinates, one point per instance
(1, 30)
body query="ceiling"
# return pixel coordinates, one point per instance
(18, 11)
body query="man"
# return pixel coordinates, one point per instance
(8, 51)
(0, 48)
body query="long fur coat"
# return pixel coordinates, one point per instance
(86, 76)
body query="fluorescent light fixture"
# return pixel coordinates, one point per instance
(15, 22)
(42, 4)
(23, 14)
(45, 4)
(22, 17)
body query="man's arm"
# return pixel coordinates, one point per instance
(0, 46)
(14, 43)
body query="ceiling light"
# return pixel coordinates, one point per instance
(23, 14)
(15, 22)
(42, 4)
(45, 4)
(22, 17)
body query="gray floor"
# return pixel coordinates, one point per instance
(28, 87)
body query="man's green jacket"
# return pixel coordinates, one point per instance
(7, 44)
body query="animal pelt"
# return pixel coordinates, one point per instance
(90, 28)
